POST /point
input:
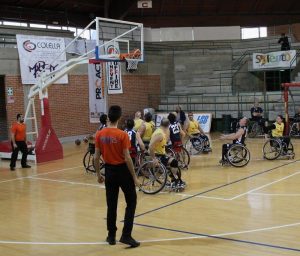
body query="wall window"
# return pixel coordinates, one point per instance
(34, 25)
(12, 23)
(259, 32)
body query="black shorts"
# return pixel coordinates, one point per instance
(164, 159)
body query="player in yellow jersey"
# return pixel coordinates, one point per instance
(277, 130)
(147, 128)
(194, 131)
(157, 149)
(137, 120)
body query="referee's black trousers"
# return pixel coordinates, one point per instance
(119, 176)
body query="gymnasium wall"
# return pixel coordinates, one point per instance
(69, 103)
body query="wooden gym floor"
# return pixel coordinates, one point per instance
(57, 209)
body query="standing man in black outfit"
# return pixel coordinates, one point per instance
(284, 41)
(113, 144)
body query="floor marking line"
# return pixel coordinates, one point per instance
(39, 174)
(223, 237)
(269, 194)
(68, 182)
(198, 236)
(213, 189)
(266, 185)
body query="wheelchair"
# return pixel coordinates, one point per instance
(276, 147)
(196, 145)
(294, 132)
(89, 161)
(255, 129)
(154, 179)
(179, 153)
(238, 155)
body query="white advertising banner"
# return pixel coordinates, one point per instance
(113, 70)
(271, 60)
(204, 120)
(39, 53)
(97, 95)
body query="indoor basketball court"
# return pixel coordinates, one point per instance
(65, 63)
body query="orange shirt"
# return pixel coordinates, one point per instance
(112, 142)
(19, 130)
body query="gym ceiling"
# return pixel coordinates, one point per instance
(164, 13)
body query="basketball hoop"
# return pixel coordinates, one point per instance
(131, 64)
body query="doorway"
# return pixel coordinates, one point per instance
(3, 115)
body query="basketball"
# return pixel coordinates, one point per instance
(78, 142)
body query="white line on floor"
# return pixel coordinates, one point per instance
(266, 185)
(68, 182)
(269, 194)
(40, 174)
(156, 240)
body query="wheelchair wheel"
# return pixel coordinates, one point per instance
(88, 162)
(183, 158)
(238, 155)
(254, 131)
(294, 130)
(194, 145)
(272, 149)
(170, 152)
(152, 179)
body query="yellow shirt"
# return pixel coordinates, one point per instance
(160, 147)
(137, 124)
(149, 131)
(278, 131)
(193, 128)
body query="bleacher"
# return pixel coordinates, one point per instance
(207, 79)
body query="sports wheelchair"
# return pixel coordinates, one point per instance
(197, 144)
(179, 153)
(89, 161)
(238, 155)
(154, 178)
(255, 129)
(276, 147)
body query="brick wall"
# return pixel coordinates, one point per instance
(278, 30)
(69, 103)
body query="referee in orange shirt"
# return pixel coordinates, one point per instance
(18, 143)
(113, 144)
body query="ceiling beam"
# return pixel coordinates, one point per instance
(42, 2)
(106, 8)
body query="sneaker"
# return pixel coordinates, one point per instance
(26, 166)
(168, 184)
(130, 241)
(180, 185)
(12, 168)
(111, 240)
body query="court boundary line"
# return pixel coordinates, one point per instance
(213, 189)
(68, 182)
(198, 236)
(275, 194)
(40, 174)
(222, 237)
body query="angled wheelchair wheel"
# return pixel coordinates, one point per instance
(272, 149)
(254, 131)
(88, 162)
(194, 145)
(170, 152)
(152, 178)
(294, 130)
(183, 158)
(238, 155)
